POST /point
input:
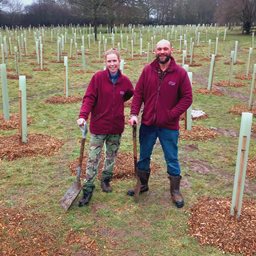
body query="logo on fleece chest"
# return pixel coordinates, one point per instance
(171, 83)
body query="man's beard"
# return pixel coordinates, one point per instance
(167, 58)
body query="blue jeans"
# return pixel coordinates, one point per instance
(169, 142)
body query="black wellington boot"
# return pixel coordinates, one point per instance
(144, 177)
(177, 197)
(86, 198)
(105, 185)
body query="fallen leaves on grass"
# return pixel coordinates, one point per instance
(63, 99)
(225, 83)
(211, 92)
(11, 147)
(198, 133)
(12, 123)
(210, 223)
(123, 168)
(238, 109)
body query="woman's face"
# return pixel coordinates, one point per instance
(112, 63)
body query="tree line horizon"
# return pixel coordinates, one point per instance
(114, 12)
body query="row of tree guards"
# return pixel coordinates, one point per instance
(148, 35)
(211, 73)
(131, 39)
(243, 146)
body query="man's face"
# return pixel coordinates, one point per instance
(163, 52)
(112, 63)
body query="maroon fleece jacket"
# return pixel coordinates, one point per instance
(105, 101)
(166, 95)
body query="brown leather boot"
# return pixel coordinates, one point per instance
(144, 177)
(105, 185)
(177, 197)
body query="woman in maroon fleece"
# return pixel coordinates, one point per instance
(165, 90)
(104, 100)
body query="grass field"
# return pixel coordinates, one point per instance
(31, 220)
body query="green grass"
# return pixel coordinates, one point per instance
(117, 224)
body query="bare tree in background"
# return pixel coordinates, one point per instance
(90, 9)
(230, 11)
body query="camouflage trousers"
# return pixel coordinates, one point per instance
(112, 143)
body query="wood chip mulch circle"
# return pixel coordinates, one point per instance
(251, 168)
(238, 109)
(254, 128)
(198, 133)
(226, 83)
(12, 123)
(38, 144)
(205, 59)
(16, 77)
(243, 77)
(237, 63)
(123, 167)
(39, 69)
(14, 223)
(195, 65)
(24, 233)
(63, 99)
(211, 92)
(210, 223)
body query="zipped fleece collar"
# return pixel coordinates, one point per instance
(171, 68)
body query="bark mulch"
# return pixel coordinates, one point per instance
(251, 168)
(254, 128)
(226, 83)
(63, 99)
(195, 64)
(12, 148)
(238, 109)
(123, 167)
(237, 62)
(39, 69)
(16, 77)
(211, 92)
(198, 133)
(243, 77)
(14, 223)
(12, 123)
(210, 223)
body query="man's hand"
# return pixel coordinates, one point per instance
(81, 121)
(133, 120)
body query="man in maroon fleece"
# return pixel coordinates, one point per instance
(104, 100)
(165, 90)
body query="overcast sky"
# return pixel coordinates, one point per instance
(26, 2)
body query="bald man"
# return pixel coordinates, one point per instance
(165, 90)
